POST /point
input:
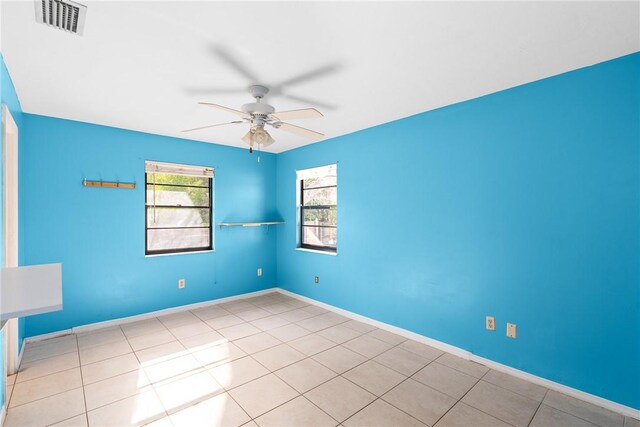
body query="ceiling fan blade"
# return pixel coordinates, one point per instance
(309, 75)
(303, 113)
(212, 126)
(211, 90)
(240, 68)
(227, 109)
(309, 101)
(308, 133)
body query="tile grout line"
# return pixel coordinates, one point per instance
(108, 378)
(538, 408)
(394, 387)
(269, 372)
(54, 394)
(510, 390)
(460, 401)
(79, 367)
(205, 366)
(309, 357)
(237, 403)
(502, 388)
(624, 417)
(273, 372)
(341, 375)
(299, 394)
(579, 417)
(152, 385)
(319, 408)
(380, 397)
(84, 394)
(208, 367)
(27, 362)
(426, 385)
(201, 368)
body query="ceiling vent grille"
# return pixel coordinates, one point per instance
(62, 14)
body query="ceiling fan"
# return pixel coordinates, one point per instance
(258, 115)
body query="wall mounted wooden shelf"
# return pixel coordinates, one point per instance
(109, 184)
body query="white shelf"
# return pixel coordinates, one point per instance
(248, 224)
(32, 289)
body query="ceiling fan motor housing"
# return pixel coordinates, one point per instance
(259, 113)
(258, 108)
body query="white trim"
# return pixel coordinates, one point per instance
(552, 385)
(48, 336)
(316, 251)
(396, 330)
(3, 413)
(123, 320)
(19, 358)
(151, 166)
(578, 394)
(120, 321)
(181, 253)
(457, 351)
(10, 224)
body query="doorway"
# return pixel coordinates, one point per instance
(10, 226)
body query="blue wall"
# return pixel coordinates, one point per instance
(523, 204)
(98, 234)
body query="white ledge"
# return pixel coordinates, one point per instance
(315, 251)
(179, 253)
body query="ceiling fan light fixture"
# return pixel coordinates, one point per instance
(258, 137)
(258, 115)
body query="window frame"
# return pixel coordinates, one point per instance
(147, 252)
(301, 208)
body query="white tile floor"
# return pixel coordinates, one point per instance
(272, 361)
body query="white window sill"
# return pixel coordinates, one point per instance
(180, 253)
(315, 251)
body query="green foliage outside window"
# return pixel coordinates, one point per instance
(165, 189)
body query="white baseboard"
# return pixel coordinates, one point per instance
(578, 394)
(3, 412)
(596, 400)
(121, 321)
(20, 354)
(50, 335)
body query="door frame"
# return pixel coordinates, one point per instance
(10, 226)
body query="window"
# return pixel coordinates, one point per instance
(178, 210)
(318, 206)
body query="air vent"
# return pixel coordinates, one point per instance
(62, 14)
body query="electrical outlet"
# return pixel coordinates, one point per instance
(317, 280)
(182, 283)
(512, 330)
(491, 323)
(259, 271)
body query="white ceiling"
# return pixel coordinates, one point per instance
(145, 65)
